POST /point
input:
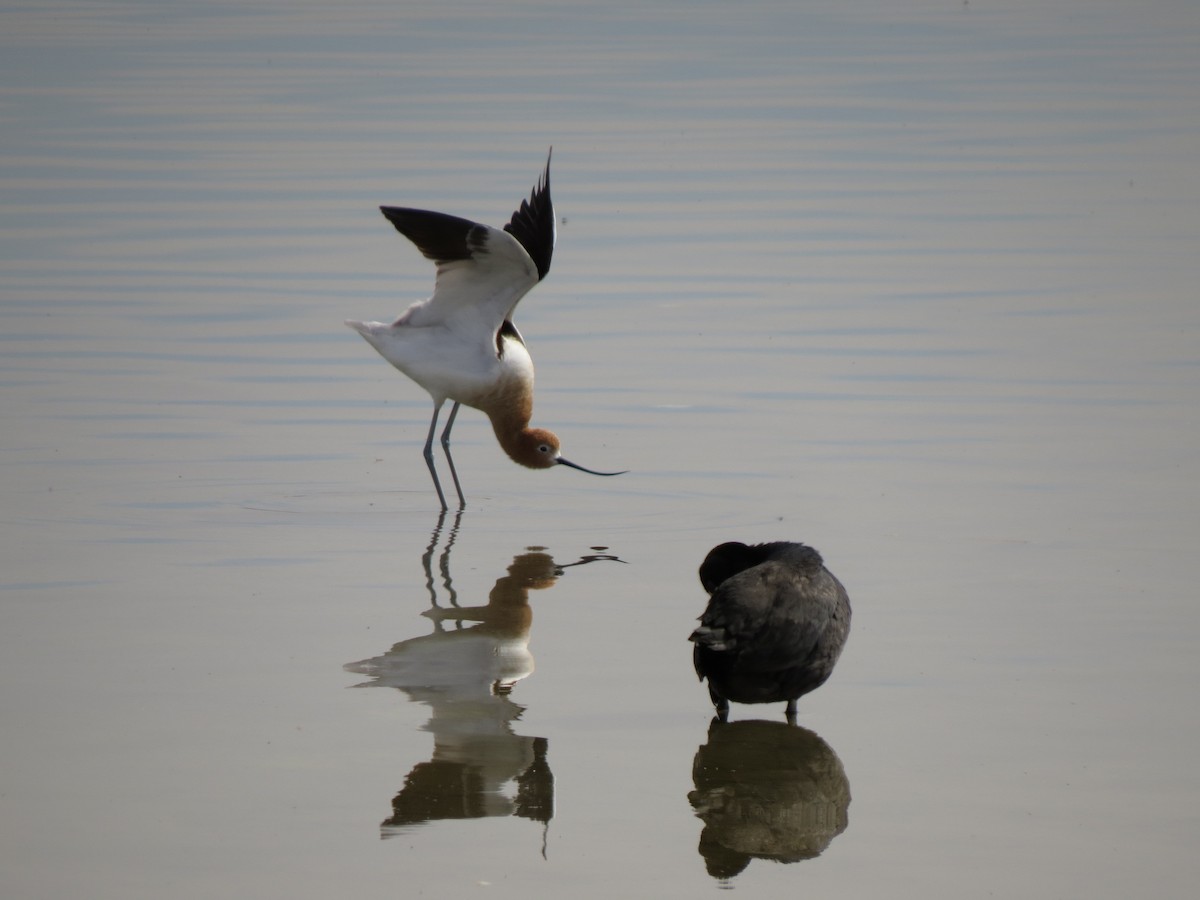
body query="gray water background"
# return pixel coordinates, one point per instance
(912, 282)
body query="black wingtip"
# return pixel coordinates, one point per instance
(533, 223)
(440, 237)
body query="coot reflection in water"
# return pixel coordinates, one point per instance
(775, 624)
(766, 790)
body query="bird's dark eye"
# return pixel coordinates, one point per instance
(543, 448)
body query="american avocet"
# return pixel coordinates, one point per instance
(775, 625)
(461, 343)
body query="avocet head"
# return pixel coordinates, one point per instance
(539, 449)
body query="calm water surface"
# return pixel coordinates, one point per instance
(914, 283)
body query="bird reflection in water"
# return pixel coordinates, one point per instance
(766, 790)
(479, 767)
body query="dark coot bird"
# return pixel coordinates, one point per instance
(775, 625)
